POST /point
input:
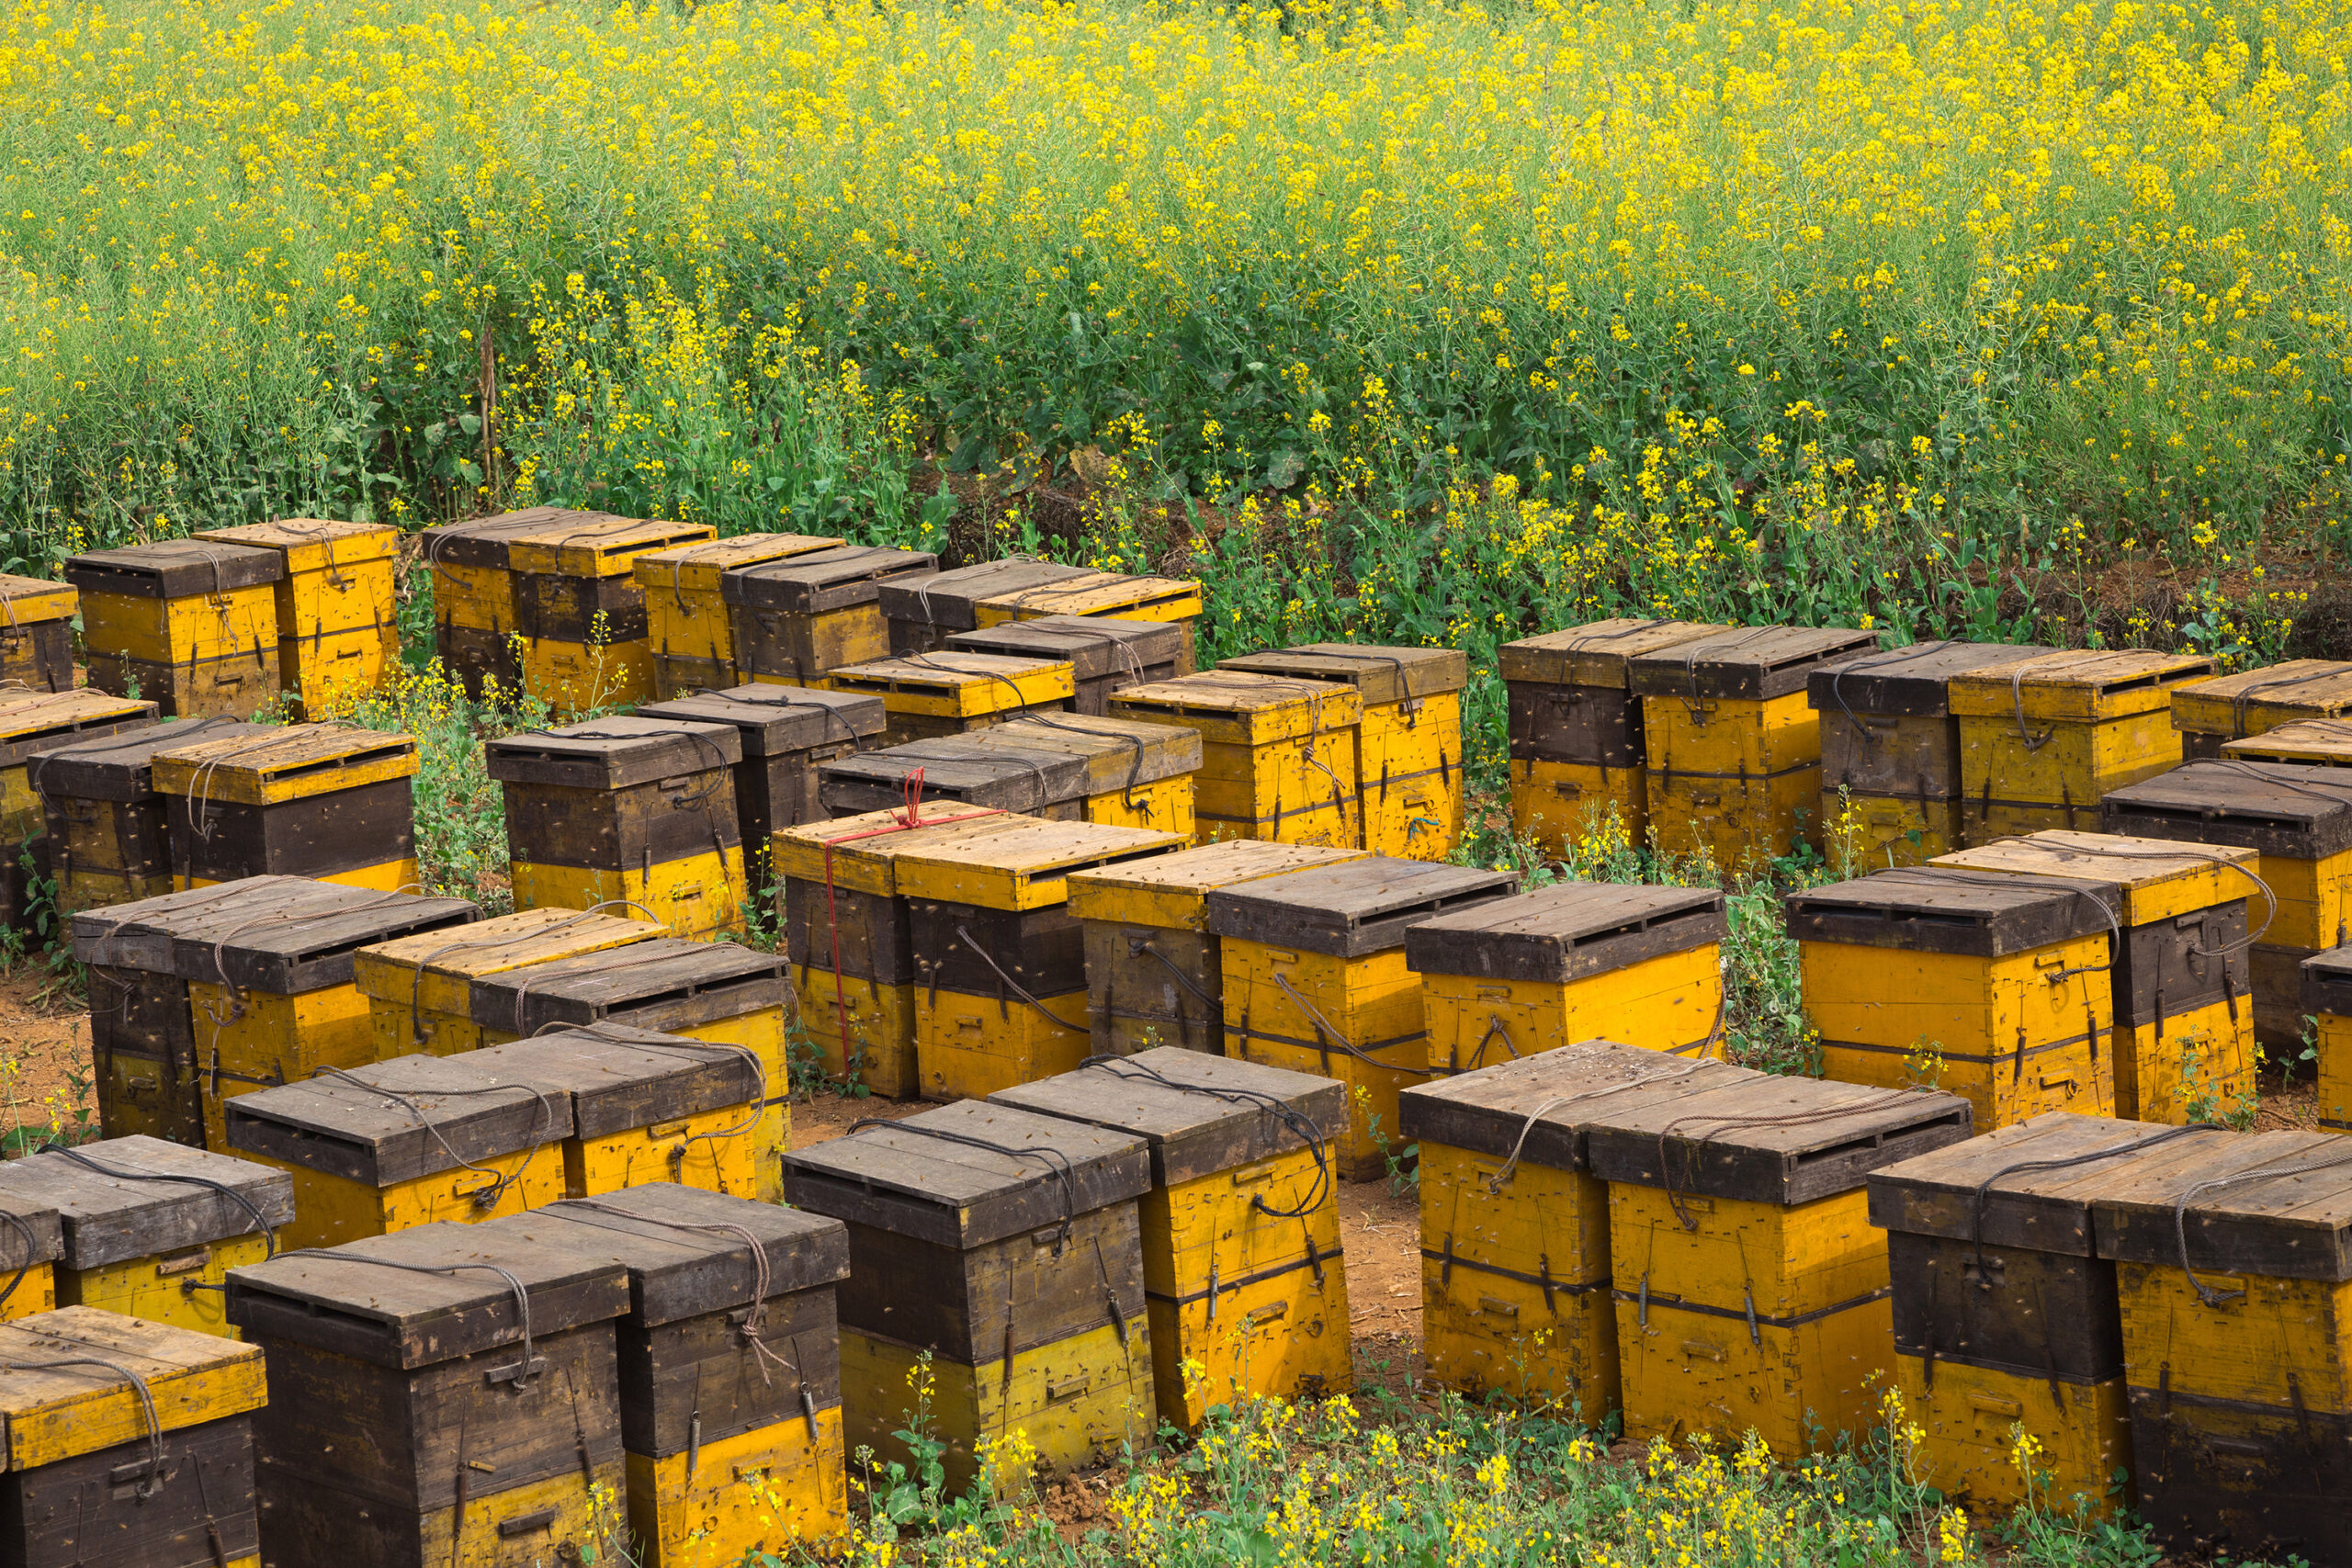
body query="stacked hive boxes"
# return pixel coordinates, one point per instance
(931, 694)
(2042, 738)
(316, 801)
(34, 725)
(1108, 596)
(2328, 1001)
(192, 624)
(923, 613)
(1277, 756)
(337, 637)
(420, 988)
(36, 634)
(2314, 742)
(108, 828)
(1063, 767)
(797, 621)
(580, 611)
(789, 733)
(2211, 714)
(476, 629)
(689, 627)
(1105, 654)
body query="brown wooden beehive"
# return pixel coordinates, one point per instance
(789, 734)
(688, 625)
(336, 635)
(420, 988)
(191, 623)
(107, 825)
(475, 621)
(934, 694)
(1105, 653)
(2211, 714)
(36, 634)
(33, 724)
(325, 801)
(1107, 594)
(580, 611)
(797, 621)
(923, 613)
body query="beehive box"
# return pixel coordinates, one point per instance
(444, 1394)
(1277, 756)
(150, 1229)
(2299, 820)
(923, 613)
(999, 963)
(1008, 1247)
(36, 634)
(126, 1442)
(2213, 713)
(1515, 1283)
(640, 810)
(1155, 972)
(319, 800)
(2312, 742)
(1105, 594)
(2327, 1000)
(2182, 982)
(108, 828)
(1752, 1293)
(2233, 1274)
(31, 724)
(2006, 1315)
(1136, 775)
(718, 1381)
(1995, 989)
(1577, 745)
(1638, 965)
(1243, 1273)
(1316, 980)
(956, 770)
(1890, 751)
(1732, 745)
(932, 694)
(1408, 738)
(688, 625)
(2041, 740)
(474, 616)
(579, 608)
(336, 635)
(797, 621)
(789, 733)
(644, 1105)
(420, 988)
(192, 624)
(32, 1242)
(1106, 653)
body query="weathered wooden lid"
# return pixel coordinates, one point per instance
(596, 544)
(1380, 674)
(1764, 1139)
(777, 721)
(1905, 682)
(174, 568)
(296, 762)
(2317, 742)
(825, 579)
(951, 768)
(2156, 879)
(1201, 1114)
(949, 601)
(696, 569)
(1235, 707)
(2257, 700)
(2275, 1204)
(80, 1380)
(441, 964)
(683, 1256)
(1118, 753)
(611, 752)
(1103, 594)
(139, 935)
(1352, 908)
(2327, 982)
(483, 541)
(679, 983)
(1752, 664)
(1567, 931)
(288, 943)
(1539, 1105)
(1094, 646)
(921, 1177)
(33, 724)
(860, 854)
(1027, 865)
(1944, 909)
(2083, 686)
(25, 601)
(119, 766)
(113, 1209)
(1172, 890)
(413, 1116)
(957, 684)
(2027, 1186)
(1599, 653)
(617, 1078)
(2274, 808)
(457, 1296)
(313, 544)
(31, 1231)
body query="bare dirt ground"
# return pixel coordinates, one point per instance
(44, 1051)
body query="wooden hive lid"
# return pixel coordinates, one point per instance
(299, 762)
(286, 943)
(696, 569)
(860, 854)
(2157, 879)
(1094, 646)
(1200, 1114)
(2027, 1186)
(1379, 674)
(1103, 594)
(1352, 908)
(965, 685)
(2083, 686)
(1118, 753)
(1763, 1139)
(395, 1120)
(2256, 700)
(464, 1288)
(2317, 742)
(953, 768)
(141, 1197)
(826, 580)
(483, 541)
(618, 1078)
(777, 721)
(1539, 1106)
(48, 720)
(139, 935)
(120, 766)
(1234, 707)
(596, 544)
(921, 1178)
(1172, 890)
(684, 983)
(27, 599)
(1913, 682)
(683, 1253)
(2277, 1204)
(1599, 653)
(1749, 665)
(2327, 983)
(31, 1232)
(613, 752)
(1944, 909)
(1567, 931)
(2275, 808)
(393, 971)
(949, 601)
(79, 1380)
(1025, 866)
(174, 568)
(313, 544)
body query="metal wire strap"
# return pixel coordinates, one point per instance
(1289, 1115)
(2017, 706)
(1724, 1124)
(522, 1293)
(752, 1324)
(152, 1481)
(1054, 1160)
(261, 1220)
(481, 1196)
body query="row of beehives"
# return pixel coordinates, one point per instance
(1710, 1251)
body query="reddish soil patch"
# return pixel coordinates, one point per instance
(44, 1051)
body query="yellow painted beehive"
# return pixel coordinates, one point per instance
(934, 695)
(475, 627)
(36, 634)
(336, 636)
(1277, 755)
(108, 826)
(1752, 1291)
(317, 800)
(1995, 989)
(2326, 1000)
(2211, 714)
(923, 613)
(2312, 742)
(192, 624)
(1002, 1250)
(580, 612)
(687, 624)
(32, 723)
(34, 1243)
(1638, 965)
(1134, 774)
(1106, 653)
(999, 963)
(1409, 783)
(1316, 980)
(797, 621)
(151, 1229)
(2181, 977)
(1107, 594)
(2041, 740)
(1062, 767)
(1243, 1276)
(420, 988)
